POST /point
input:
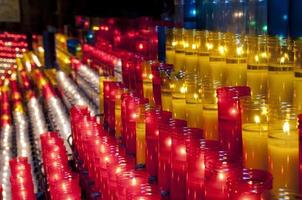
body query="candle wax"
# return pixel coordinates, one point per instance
(280, 86)
(257, 81)
(194, 115)
(118, 121)
(236, 72)
(218, 70)
(169, 56)
(254, 137)
(179, 60)
(166, 100)
(191, 61)
(283, 162)
(204, 66)
(210, 123)
(148, 91)
(141, 142)
(179, 108)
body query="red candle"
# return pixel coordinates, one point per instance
(198, 151)
(216, 175)
(250, 184)
(229, 119)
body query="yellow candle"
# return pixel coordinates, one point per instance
(191, 62)
(204, 65)
(148, 91)
(179, 107)
(218, 70)
(236, 71)
(283, 157)
(166, 99)
(254, 137)
(298, 91)
(118, 122)
(179, 60)
(283, 164)
(102, 78)
(194, 115)
(140, 142)
(280, 83)
(210, 122)
(257, 79)
(169, 56)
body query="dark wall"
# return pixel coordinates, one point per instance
(36, 15)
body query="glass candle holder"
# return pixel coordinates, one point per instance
(190, 48)
(194, 106)
(159, 72)
(179, 55)
(229, 119)
(203, 54)
(166, 91)
(217, 175)
(250, 184)
(197, 151)
(236, 60)
(298, 76)
(147, 81)
(218, 50)
(283, 147)
(254, 133)
(280, 71)
(257, 66)
(179, 89)
(170, 43)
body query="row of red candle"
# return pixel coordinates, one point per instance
(22, 186)
(62, 183)
(106, 161)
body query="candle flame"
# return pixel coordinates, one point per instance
(221, 176)
(133, 181)
(150, 76)
(182, 151)
(257, 119)
(169, 142)
(239, 51)
(194, 46)
(118, 170)
(286, 127)
(256, 58)
(209, 46)
(195, 96)
(174, 43)
(282, 60)
(183, 89)
(221, 50)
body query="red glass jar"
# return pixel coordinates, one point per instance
(229, 119)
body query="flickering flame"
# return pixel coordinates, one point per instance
(95, 28)
(256, 58)
(183, 89)
(150, 76)
(282, 60)
(221, 50)
(264, 55)
(186, 45)
(118, 170)
(194, 46)
(239, 51)
(257, 119)
(221, 176)
(182, 150)
(233, 111)
(195, 96)
(209, 46)
(286, 127)
(172, 86)
(134, 115)
(169, 142)
(133, 181)
(174, 43)
(264, 111)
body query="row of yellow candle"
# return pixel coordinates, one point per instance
(270, 66)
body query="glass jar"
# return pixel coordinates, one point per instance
(283, 147)
(194, 106)
(203, 46)
(170, 43)
(236, 60)
(179, 90)
(257, 66)
(280, 71)
(179, 55)
(254, 133)
(190, 47)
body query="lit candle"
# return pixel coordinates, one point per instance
(190, 47)
(210, 122)
(283, 155)
(179, 55)
(178, 100)
(203, 54)
(254, 134)
(141, 142)
(170, 43)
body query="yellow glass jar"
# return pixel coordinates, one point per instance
(179, 90)
(203, 47)
(280, 71)
(298, 76)
(194, 106)
(236, 65)
(179, 55)
(190, 47)
(257, 66)
(170, 43)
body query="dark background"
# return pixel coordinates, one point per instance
(36, 15)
